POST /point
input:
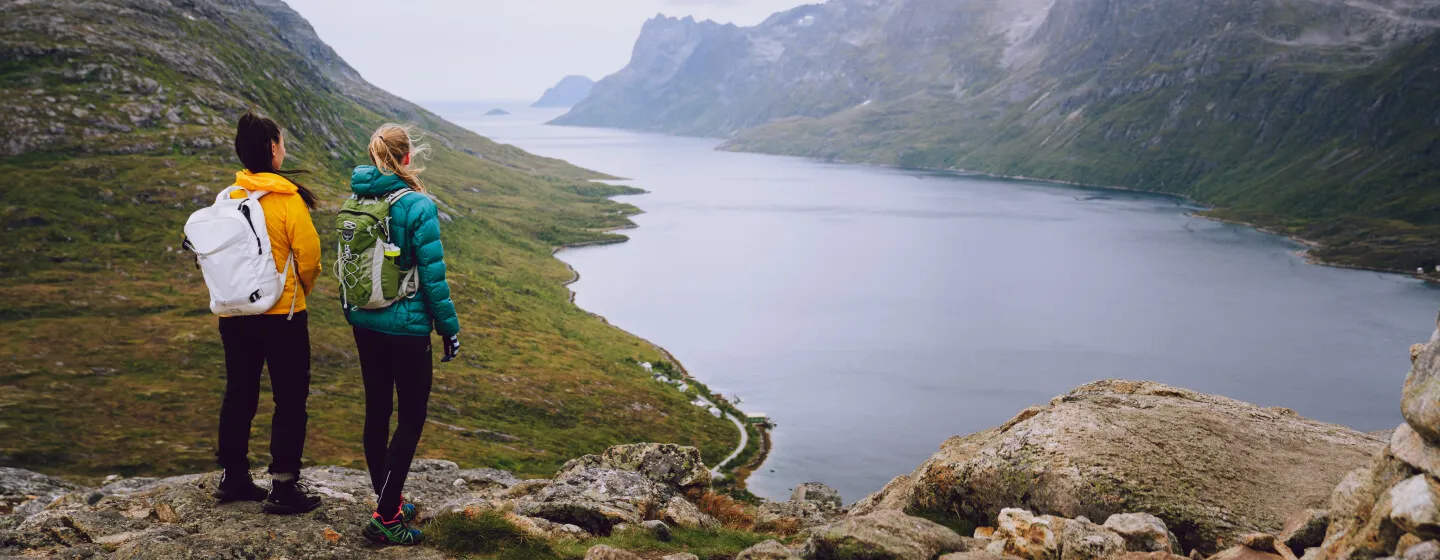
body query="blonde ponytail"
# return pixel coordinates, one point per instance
(388, 148)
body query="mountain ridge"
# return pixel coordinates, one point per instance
(1313, 118)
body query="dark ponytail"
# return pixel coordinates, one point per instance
(254, 143)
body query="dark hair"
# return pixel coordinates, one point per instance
(254, 143)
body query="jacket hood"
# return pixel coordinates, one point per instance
(265, 182)
(367, 180)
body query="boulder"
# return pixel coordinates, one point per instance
(1243, 553)
(680, 556)
(1305, 529)
(1415, 506)
(816, 492)
(1150, 556)
(658, 529)
(1020, 533)
(597, 499)
(1428, 550)
(977, 555)
(790, 517)
(768, 550)
(1420, 403)
(672, 465)
(1407, 445)
(883, 535)
(681, 513)
(1142, 532)
(1083, 540)
(19, 487)
(605, 552)
(1212, 468)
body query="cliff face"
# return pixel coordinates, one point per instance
(1301, 113)
(570, 90)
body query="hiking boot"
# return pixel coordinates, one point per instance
(393, 531)
(290, 497)
(238, 487)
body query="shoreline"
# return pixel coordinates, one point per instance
(740, 472)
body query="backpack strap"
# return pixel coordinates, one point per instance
(394, 197)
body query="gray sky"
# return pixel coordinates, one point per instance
(433, 50)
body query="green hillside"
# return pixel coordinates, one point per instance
(118, 119)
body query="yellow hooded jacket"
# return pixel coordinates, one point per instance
(288, 222)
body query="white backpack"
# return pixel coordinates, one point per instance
(232, 248)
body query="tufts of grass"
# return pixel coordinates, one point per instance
(490, 535)
(486, 534)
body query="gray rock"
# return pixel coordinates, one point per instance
(680, 556)
(1415, 506)
(1082, 540)
(672, 465)
(681, 513)
(1305, 529)
(768, 550)
(1020, 533)
(1407, 445)
(883, 535)
(597, 499)
(605, 552)
(1263, 542)
(1420, 402)
(19, 486)
(791, 516)
(1428, 550)
(432, 465)
(659, 529)
(978, 555)
(488, 477)
(1142, 532)
(816, 492)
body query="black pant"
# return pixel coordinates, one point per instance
(251, 343)
(401, 366)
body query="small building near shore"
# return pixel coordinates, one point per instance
(647, 366)
(715, 411)
(757, 418)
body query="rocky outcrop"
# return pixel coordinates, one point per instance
(664, 463)
(883, 535)
(1392, 507)
(1212, 468)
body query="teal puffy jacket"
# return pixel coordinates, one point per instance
(415, 227)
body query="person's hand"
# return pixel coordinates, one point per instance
(452, 348)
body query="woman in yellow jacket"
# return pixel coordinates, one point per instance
(275, 338)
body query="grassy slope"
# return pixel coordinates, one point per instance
(111, 361)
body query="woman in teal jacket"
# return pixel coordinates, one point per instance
(394, 342)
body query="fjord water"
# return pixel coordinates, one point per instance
(873, 313)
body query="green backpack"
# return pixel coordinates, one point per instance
(369, 277)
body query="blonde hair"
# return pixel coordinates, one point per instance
(388, 148)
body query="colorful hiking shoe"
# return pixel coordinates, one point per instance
(394, 531)
(409, 511)
(238, 487)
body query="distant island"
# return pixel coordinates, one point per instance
(569, 92)
(497, 113)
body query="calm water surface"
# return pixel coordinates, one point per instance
(874, 313)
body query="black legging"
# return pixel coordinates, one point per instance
(401, 365)
(251, 343)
